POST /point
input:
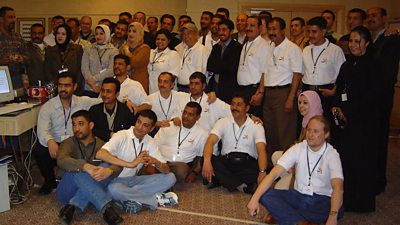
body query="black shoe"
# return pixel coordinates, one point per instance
(66, 214)
(111, 216)
(213, 185)
(47, 188)
(250, 189)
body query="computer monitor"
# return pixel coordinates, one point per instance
(6, 87)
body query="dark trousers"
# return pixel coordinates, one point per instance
(231, 175)
(45, 163)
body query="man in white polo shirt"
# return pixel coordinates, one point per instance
(132, 92)
(243, 160)
(322, 61)
(253, 60)
(182, 145)
(318, 193)
(281, 81)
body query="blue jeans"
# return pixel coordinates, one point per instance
(80, 189)
(289, 207)
(141, 188)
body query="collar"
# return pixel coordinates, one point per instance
(166, 50)
(226, 43)
(132, 136)
(245, 122)
(255, 40)
(59, 105)
(320, 150)
(115, 109)
(324, 45)
(283, 44)
(162, 98)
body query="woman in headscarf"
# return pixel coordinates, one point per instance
(98, 61)
(64, 56)
(356, 100)
(309, 105)
(139, 54)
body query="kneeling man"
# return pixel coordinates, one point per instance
(318, 193)
(133, 149)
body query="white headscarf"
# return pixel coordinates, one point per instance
(107, 32)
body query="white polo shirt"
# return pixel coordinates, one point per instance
(191, 142)
(328, 167)
(133, 90)
(253, 61)
(168, 108)
(327, 58)
(165, 61)
(121, 146)
(286, 60)
(193, 59)
(239, 139)
(210, 112)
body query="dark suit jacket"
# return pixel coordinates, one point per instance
(123, 119)
(227, 67)
(150, 39)
(35, 64)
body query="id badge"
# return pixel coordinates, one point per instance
(63, 137)
(63, 70)
(103, 70)
(176, 157)
(344, 97)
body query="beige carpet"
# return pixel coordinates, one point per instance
(197, 205)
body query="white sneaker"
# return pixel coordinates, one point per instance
(169, 198)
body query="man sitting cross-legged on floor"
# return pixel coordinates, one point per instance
(243, 158)
(133, 149)
(182, 145)
(84, 181)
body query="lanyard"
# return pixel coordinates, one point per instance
(301, 42)
(169, 106)
(308, 164)
(134, 146)
(155, 60)
(246, 50)
(240, 134)
(190, 99)
(179, 138)
(63, 56)
(66, 118)
(83, 155)
(185, 55)
(101, 56)
(316, 61)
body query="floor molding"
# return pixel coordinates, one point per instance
(210, 216)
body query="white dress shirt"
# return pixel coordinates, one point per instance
(133, 90)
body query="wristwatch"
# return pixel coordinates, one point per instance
(263, 170)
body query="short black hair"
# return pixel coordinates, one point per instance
(165, 32)
(330, 12)
(359, 11)
(243, 96)
(282, 23)
(75, 20)
(257, 18)
(224, 10)
(152, 17)
(84, 113)
(37, 25)
(139, 12)
(170, 74)
(195, 105)
(301, 20)
(124, 22)
(208, 13)
(228, 23)
(112, 80)
(67, 74)
(4, 9)
(105, 20)
(383, 12)
(318, 21)
(58, 17)
(221, 17)
(128, 14)
(187, 17)
(198, 75)
(265, 13)
(123, 57)
(148, 113)
(168, 16)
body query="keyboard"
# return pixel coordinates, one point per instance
(14, 107)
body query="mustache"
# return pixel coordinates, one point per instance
(234, 110)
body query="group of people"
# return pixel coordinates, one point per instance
(214, 101)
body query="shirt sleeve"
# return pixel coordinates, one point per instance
(296, 60)
(288, 159)
(44, 124)
(114, 144)
(85, 63)
(174, 61)
(335, 165)
(218, 128)
(155, 152)
(140, 96)
(64, 159)
(259, 134)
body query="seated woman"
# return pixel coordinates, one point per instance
(138, 53)
(318, 193)
(98, 61)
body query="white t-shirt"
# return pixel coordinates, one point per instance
(165, 61)
(286, 60)
(327, 58)
(239, 139)
(133, 90)
(121, 145)
(194, 59)
(166, 109)
(191, 142)
(253, 61)
(328, 167)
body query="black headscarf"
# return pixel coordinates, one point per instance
(62, 47)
